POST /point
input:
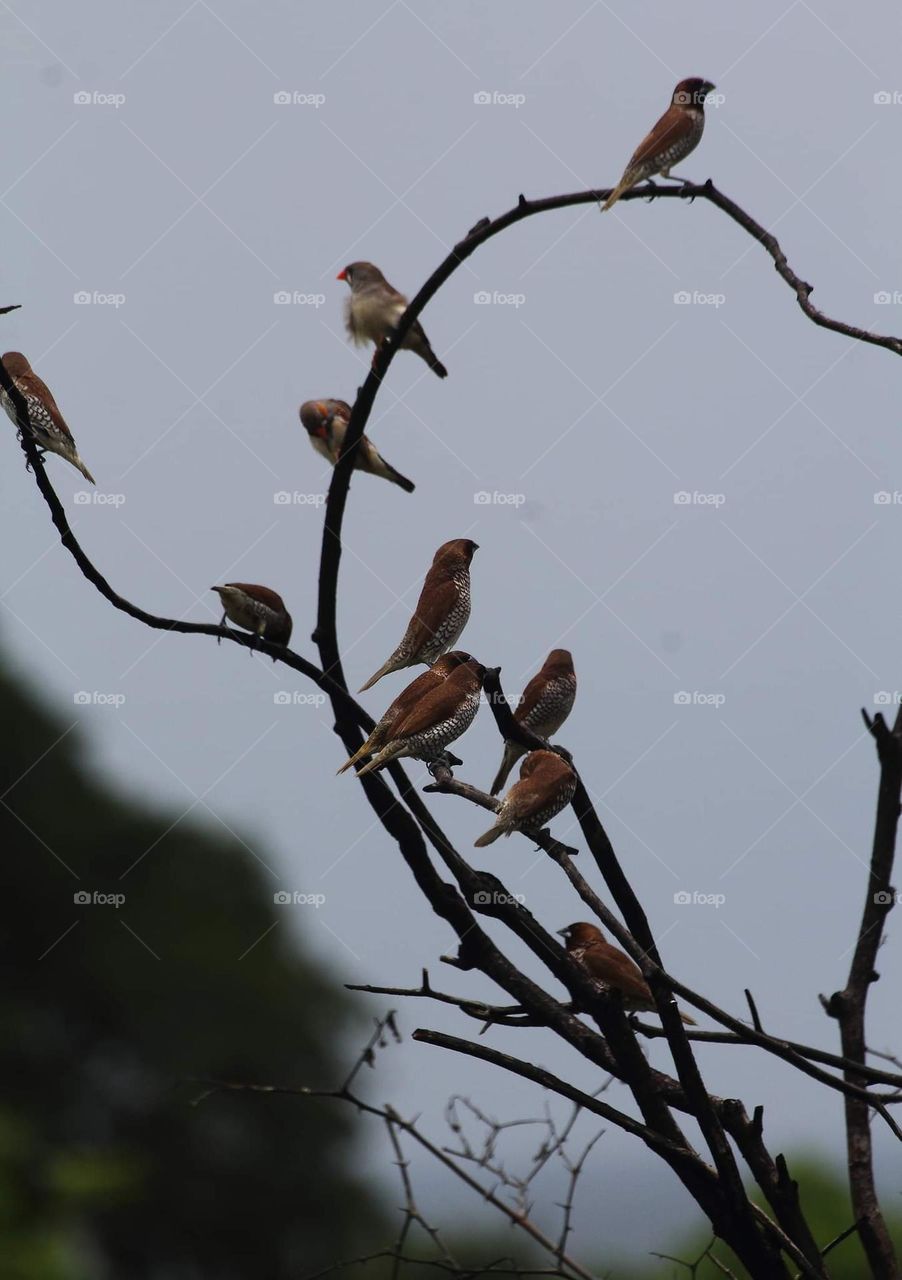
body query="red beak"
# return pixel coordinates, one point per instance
(342, 275)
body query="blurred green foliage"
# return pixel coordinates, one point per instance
(106, 1170)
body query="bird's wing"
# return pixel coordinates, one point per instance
(615, 967)
(674, 126)
(35, 389)
(437, 705)
(436, 601)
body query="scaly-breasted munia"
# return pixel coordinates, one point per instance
(45, 422)
(255, 609)
(375, 307)
(546, 703)
(678, 132)
(405, 701)
(441, 613)
(326, 422)
(435, 720)
(611, 967)
(546, 786)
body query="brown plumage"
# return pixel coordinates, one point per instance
(676, 134)
(407, 699)
(256, 609)
(612, 967)
(375, 307)
(441, 612)
(435, 720)
(546, 786)
(326, 422)
(45, 422)
(546, 703)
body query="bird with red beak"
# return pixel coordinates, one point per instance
(326, 422)
(375, 307)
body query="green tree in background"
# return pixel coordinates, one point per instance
(105, 1168)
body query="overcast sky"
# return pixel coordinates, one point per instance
(150, 166)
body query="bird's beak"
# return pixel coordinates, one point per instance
(342, 275)
(562, 933)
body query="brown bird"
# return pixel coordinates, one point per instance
(677, 133)
(546, 703)
(435, 720)
(375, 307)
(405, 701)
(326, 422)
(441, 613)
(546, 786)
(45, 423)
(255, 609)
(611, 967)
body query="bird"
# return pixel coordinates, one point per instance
(546, 786)
(441, 612)
(406, 700)
(375, 307)
(435, 720)
(677, 133)
(586, 944)
(326, 422)
(546, 703)
(45, 423)
(256, 609)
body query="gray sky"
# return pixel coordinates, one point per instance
(593, 394)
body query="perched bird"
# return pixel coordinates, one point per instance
(255, 609)
(405, 701)
(677, 133)
(546, 786)
(326, 422)
(45, 422)
(435, 720)
(612, 967)
(373, 310)
(441, 613)
(546, 703)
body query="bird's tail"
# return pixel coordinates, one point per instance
(690, 1022)
(396, 478)
(358, 755)
(623, 185)
(77, 462)
(512, 754)
(385, 756)
(493, 834)
(391, 664)
(436, 365)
